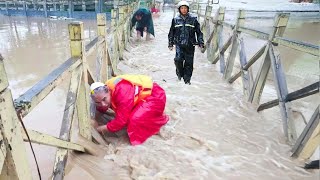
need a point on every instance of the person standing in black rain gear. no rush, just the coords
(185, 34)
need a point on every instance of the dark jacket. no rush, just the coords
(146, 20)
(185, 31)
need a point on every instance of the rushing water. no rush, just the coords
(213, 132)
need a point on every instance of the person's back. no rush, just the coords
(145, 15)
(142, 18)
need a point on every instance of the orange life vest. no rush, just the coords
(142, 82)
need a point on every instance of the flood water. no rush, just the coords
(213, 132)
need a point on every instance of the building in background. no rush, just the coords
(79, 9)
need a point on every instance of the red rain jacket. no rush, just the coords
(143, 120)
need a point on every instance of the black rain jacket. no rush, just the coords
(185, 31)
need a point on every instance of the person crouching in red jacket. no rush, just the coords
(138, 104)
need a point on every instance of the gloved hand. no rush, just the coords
(170, 48)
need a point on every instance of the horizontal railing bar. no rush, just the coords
(46, 139)
(234, 77)
(253, 16)
(249, 64)
(293, 44)
(32, 97)
(226, 45)
(255, 33)
(298, 45)
(206, 3)
(224, 48)
(255, 57)
(228, 25)
(93, 45)
(301, 93)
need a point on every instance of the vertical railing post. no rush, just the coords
(7, 8)
(280, 82)
(101, 23)
(76, 35)
(130, 7)
(220, 46)
(13, 159)
(125, 25)
(280, 22)
(121, 31)
(68, 118)
(54, 6)
(175, 9)
(115, 46)
(235, 45)
(70, 5)
(45, 8)
(34, 5)
(207, 26)
(129, 21)
(97, 6)
(215, 40)
(244, 73)
(198, 10)
(61, 5)
(83, 6)
(113, 18)
(118, 42)
(25, 7)
(103, 70)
